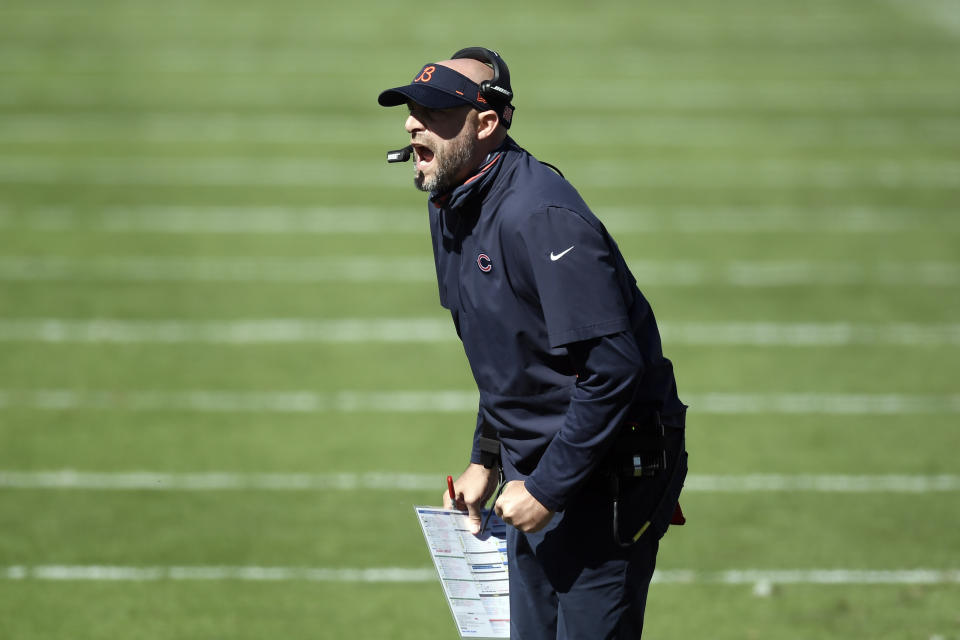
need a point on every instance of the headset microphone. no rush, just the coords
(400, 155)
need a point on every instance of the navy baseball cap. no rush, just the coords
(440, 87)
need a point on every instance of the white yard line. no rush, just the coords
(412, 220)
(440, 329)
(372, 268)
(232, 269)
(809, 334)
(222, 171)
(215, 573)
(443, 401)
(384, 481)
(822, 403)
(615, 129)
(288, 60)
(940, 14)
(757, 577)
(826, 483)
(220, 220)
(280, 330)
(219, 481)
(455, 401)
(702, 96)
(286, 172)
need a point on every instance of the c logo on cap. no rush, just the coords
(484, 262)
(426, 75)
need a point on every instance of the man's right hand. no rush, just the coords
(472, 489)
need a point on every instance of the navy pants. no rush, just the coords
(572, 581)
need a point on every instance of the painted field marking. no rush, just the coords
(218, 481)
(809, 334)
(279, 330)
(98, 573)
(220, 220)
(295, 58)
(455, 401)
(702, 96)
(247, 269)
(382, 220)
(385, 481)
(760, 578)
(253, 269)
(941, 14)
(286, 172)
(443, 401)
(440, 330)
(678, 130)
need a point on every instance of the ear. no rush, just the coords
(487, 123)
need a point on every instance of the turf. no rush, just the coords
(730, 140)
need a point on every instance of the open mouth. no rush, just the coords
(424, 156)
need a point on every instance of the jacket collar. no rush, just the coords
(477, 184)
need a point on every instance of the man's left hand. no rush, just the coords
(518, 508)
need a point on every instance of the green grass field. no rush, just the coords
(225, 377)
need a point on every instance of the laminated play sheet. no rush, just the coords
(472, 570)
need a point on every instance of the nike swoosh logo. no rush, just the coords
(556, 256)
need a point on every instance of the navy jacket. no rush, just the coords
(563, 346)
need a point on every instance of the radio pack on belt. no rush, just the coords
(639, 454)
(640, 449)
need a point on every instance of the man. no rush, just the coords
(578, 406)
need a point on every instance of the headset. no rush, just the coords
(496, 91)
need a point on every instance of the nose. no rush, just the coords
(413, 125)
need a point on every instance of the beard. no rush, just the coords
(450, 158)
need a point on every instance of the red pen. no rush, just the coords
(453, 496)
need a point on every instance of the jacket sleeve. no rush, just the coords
(610, 368)
(475, 453)
(575, 270)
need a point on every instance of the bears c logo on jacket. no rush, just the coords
(484, 262)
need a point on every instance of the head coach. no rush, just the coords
(578, 406)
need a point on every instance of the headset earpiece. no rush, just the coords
(497, 90)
